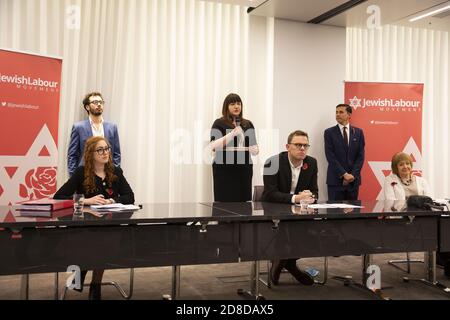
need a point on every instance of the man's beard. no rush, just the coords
(96, 113)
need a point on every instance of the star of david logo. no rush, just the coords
(13, 169)
(355, 102)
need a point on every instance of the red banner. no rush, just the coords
(29, 109)
(390, 115)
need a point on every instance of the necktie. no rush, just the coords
(345, 137)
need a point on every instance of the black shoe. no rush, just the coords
(300, 276)
(443, 260)
(440, 259)
(275, 271)
(95, 291)
(447, 268)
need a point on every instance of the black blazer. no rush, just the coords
(120, 190)
(277, 183)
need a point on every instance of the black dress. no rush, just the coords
(120, 190)
(233, 170)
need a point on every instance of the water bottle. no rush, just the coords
(312, 272)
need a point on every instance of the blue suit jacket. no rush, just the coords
(81, 131)
(341, 160)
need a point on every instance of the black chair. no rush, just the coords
(407, 261)
(108, 283)
(25, 287)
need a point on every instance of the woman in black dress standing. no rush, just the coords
(233, 140)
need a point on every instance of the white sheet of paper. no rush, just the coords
(333, 206)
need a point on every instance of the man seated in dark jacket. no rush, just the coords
(291, 177)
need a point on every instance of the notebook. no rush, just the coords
(45, 205)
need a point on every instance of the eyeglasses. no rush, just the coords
(97, 102)
(301, 145)
(101, 151)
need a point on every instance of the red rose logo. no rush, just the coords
(109, 191)
(305, 166)
(39, 183)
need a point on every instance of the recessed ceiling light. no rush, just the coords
(435, 10)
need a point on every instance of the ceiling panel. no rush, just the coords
(391, 12)
(298, 10)
(436, 22)
(244, 3)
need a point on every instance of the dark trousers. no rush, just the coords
(443, 259)
(97, 276)
(340, 193)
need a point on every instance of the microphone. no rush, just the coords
(241, 137)
(435, 206)
(238, 121)
(423, 202)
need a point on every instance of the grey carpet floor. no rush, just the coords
(221, 282)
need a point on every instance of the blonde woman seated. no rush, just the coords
(401, 183)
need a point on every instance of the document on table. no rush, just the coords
(333, 206)
(115, 207)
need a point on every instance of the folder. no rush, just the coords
(45, 214)
(45, 205)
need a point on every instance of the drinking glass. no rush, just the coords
(78, 204)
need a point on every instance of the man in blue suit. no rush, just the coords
(93, 103)
(344, 149)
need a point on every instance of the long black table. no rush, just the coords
(157, 235)
(444, 233)
(280, 231)
(283, 231)
(203, 233)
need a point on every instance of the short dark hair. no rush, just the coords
(87, 100)
(296, 133)
(347, 107)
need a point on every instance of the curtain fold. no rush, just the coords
(164, 68)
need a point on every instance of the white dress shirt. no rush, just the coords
(341, 127)
(97, 130)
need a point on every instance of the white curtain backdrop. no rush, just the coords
(401, 54)
(163, 67)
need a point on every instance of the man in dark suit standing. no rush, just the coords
(291, 177)
(344, 149)
(93, 103)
